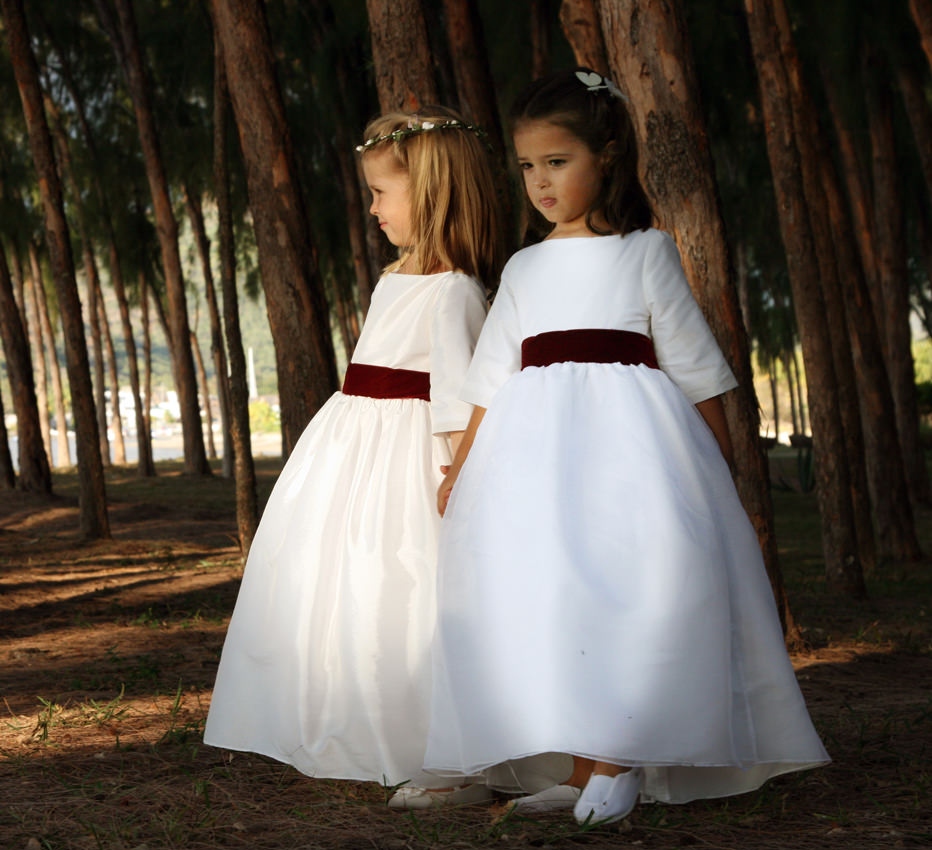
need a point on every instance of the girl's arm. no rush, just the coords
(459, 458)
(713, 411)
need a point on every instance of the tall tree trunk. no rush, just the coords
(146, 358)
(40, 367)
(541, 41)
(34, 473)
(580, 22)
(476, 90)
(921, 11)
(144, 463)
(893, 276)
(116, 418)
(800, 383)
(124, 37)
(919, 112)
(404, 71)
(792, 385)
(63, 449)
(7, 473)
(205, 393)
(92, 492)
(247, 513)
(833, 488)
(813, 163)
(774, 398)
(100, 387)
(298, 313)
(653, 64)
(19, 278)
(856, 181)
(217, 351)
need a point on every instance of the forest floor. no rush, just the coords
(108, 653)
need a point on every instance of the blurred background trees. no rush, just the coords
(213, 209)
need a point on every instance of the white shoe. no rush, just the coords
(415, 797)
(606, 799)
(554, 799)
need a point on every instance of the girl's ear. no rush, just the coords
(609, 153)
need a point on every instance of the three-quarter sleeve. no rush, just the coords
(498, 352)
(455, 325)
(686, 349)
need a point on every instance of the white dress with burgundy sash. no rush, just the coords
(326, 663)
(602, 591)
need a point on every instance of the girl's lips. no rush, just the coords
(547, 202)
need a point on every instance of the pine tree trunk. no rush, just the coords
(205, 394)
(833, 488)
(116, 418)
(92, 491)
(124, 37)
(651, 60)
(247, 513)
(40, 368)
(792, 385)
(921, 11)
(146, 358)
(813, 163)
(7, 473)
(144, 463)
(772, 372)
(93, 318)
(404, 71)
(920, 115)
(34, 473)
(857, 183)
(298, 313)
(63, 448)
(217, 351)
(800, 383)
(893, 278)
(580, 22)
(540, 38)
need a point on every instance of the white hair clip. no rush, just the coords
(596, 82)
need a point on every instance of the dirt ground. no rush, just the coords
(108, 653)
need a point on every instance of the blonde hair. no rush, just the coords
(454, 204)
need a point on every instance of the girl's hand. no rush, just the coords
(446, 487)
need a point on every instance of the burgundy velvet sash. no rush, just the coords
(588, 346)
(382, 382)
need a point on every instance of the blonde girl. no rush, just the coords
(606, 630)
(326, 663)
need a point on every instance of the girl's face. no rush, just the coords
(561, 175)
(391, 195)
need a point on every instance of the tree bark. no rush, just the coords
(217, 351)
(93, 318)
(540, 38)
(62, 446)
(116, 418)
(40, 367)
(800, 383)
(205, 393)
(920, 114)
(92, 491)
(7, 473)
(792, 386)
(144, 464)
(650, 57)
(146, 357)
(247, 513)
(893, 276)
(833, 488)
(34, 473)
(298, 313)
(124, 37)
(580, 22)
(921, 11)
(814, 161)
(404, 71)
(774, 398)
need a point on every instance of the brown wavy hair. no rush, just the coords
(454, 209)
(601, 121)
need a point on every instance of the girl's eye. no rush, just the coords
(556, 163)
(524, 166)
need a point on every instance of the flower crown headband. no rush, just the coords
(596, 82)
(416, 126)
